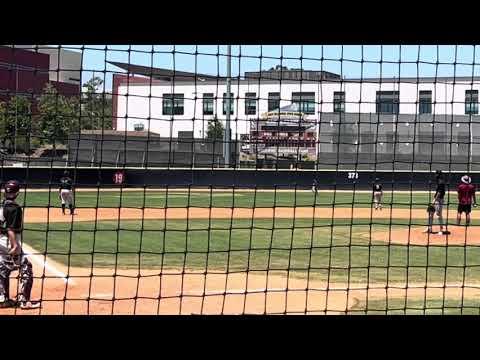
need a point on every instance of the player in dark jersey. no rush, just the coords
(377, 194)
(466, 193)
(438, 201)
(11, 254)
(66, 192)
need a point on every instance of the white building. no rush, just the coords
(164, 102)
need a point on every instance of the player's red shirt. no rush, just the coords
(465, 193)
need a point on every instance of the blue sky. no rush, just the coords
(346, 60)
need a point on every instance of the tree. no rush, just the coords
(16, 125)
(58, 115)
(3, 125)
(96, 106)
(215, 130)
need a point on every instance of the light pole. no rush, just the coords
(471, 147)
(226, 136)
(16, 112)
(317, 140)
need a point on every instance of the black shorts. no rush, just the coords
(467, 209)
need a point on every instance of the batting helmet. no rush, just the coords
(12, 187)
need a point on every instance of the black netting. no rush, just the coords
(244, 179)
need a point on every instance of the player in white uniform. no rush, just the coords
(377, 194)
(315, 186)
(66, 192)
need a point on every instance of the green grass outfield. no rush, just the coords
(414, 306)
(245, 199)
(334, 252)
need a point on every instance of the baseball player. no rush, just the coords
(466, 193)
(315, 186)
(377, 194)
(11, 254)
(66, 192)
(431, 212)
(438, 200)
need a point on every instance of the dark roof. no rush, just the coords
(162, 74)
(292, 74)
(272, 74)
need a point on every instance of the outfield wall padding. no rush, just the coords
(226, 178)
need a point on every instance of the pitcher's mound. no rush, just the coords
(459, 235)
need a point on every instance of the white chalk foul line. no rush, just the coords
(42, 261)
(352, 288)
(228, 292)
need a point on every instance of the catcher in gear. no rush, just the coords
(66, 192)
(11, 254)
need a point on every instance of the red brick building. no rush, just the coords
(26, 72)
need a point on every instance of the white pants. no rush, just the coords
(66, 197)
(377, 199)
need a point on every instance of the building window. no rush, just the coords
(207, 104)
(305, 101)
(250, 104)
(273, 101)
(471, 102)
(387, 102)
(138, 127)
(225, 103)
(339, 101)
(173, 104)
(425, 102)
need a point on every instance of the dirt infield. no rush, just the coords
(108, 291)
(181, 294)
(42, 215)
(460, 235)
(171, 293)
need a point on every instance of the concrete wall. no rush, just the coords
(153, 151)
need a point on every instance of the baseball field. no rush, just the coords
(220, 251)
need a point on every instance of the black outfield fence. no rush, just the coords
(43, 177)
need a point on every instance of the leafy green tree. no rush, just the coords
(16, 125)
(96, 106)
(3, 125)
(58, 115)
(215, 130)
